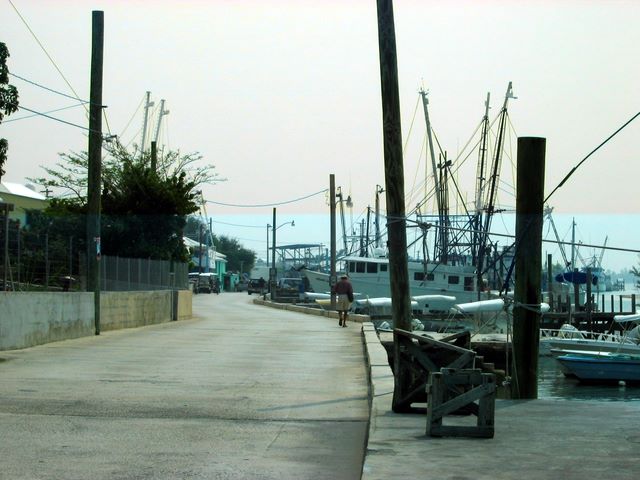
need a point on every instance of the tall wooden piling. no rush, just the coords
(528, 269)
(394, 181)
(94, 179)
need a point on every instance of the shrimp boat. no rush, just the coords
(370, 277)
(457, 253)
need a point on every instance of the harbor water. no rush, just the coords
(552, 384)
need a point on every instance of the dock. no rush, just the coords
(247, 391)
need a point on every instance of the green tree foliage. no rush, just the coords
(144, 215)
(69, 176)
(238, 257)
(8, 101)
(635, 271)
(144, 211)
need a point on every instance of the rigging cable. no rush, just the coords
(591, 153)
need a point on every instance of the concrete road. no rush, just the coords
(239, 392)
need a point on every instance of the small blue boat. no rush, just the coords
(602, 366)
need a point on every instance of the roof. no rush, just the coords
(299, 246)
(21, 190)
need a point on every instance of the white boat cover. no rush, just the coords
(635, 317)
(495, 305)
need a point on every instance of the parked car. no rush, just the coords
(207, 283)
(256, 285)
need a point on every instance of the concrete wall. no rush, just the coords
(28, 319)
(185, 301)
(134, 309)
(34, 318)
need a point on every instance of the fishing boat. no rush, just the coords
(601, 366)
(370, 277)
(569, 338)
(458, 258)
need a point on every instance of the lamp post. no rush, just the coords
(272, 269)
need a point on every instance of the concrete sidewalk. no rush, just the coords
(536, 439)
(240, 392)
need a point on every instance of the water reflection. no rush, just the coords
(552, 384)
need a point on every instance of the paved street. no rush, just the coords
(239, 392)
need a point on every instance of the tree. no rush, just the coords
(8, 101)
(238, 257)
(635, 271)
(69, 176)
(144, 211)
(145, 214)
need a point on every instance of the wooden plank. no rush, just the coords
(431, 341)
(463, 400)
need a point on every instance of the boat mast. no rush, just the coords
(480, 180)
(147, 104)
(434, 168)
(493, 184)
(162, 113)
(379, 190)
(547, 213)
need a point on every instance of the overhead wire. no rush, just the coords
(55, 65)
(275, 204)
(22, 107)
(47, 112)
(48, 88)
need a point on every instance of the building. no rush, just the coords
(206, 259)
(23, 198)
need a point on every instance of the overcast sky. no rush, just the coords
(279, 94)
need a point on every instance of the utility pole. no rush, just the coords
(394, 181)
(94, 180)
(528, 266)
(272, 271)
(332, 258)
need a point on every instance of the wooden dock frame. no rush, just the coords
(440, 402)
(411, 355)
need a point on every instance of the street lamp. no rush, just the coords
(272, 270)
(292, 223)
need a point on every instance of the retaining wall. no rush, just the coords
(34, 318)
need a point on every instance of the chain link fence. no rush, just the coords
(57, 263)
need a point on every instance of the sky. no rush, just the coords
(279, 94)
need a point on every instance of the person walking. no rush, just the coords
(344, 291)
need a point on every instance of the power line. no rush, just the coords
(21, 107)
(44, 49)
(237, 225)
(267, 204)
(48, 112)
(48, 89)
(35, 37)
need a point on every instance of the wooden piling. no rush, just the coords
(394, 185)
(528, 267)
